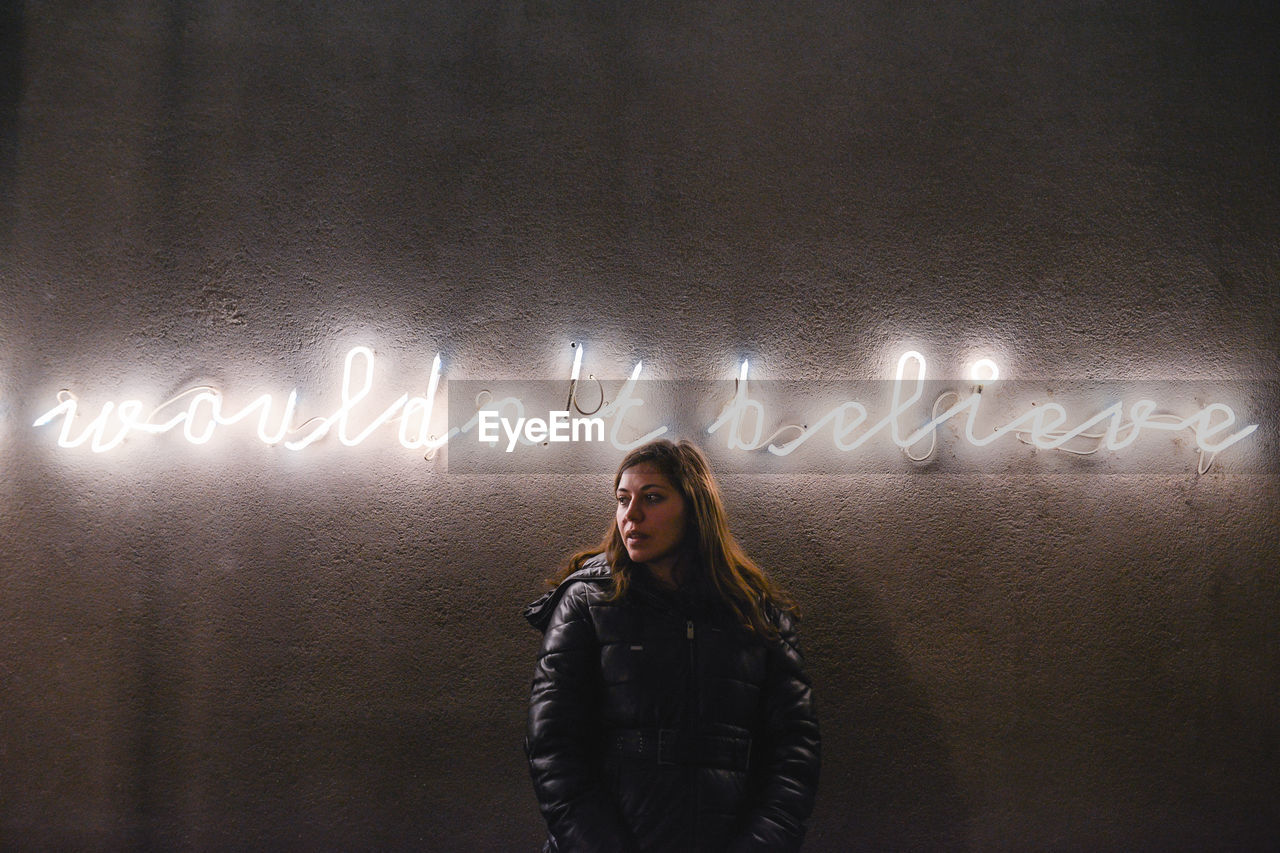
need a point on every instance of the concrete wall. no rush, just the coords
(234, 646)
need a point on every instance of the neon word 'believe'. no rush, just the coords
(1040, 426)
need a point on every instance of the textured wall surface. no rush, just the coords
(234, 646)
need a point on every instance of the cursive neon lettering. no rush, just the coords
(205, 413)
(1040, 426)
(199, 413)
(619, 407)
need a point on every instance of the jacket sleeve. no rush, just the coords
(790, 757)
(563, 718)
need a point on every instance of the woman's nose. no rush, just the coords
(633, 511)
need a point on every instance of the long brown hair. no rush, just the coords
(728, 572)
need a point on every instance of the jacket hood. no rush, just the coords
(595, 570)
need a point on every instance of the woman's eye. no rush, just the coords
(653, 497)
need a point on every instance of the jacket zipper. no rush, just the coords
(695, 716)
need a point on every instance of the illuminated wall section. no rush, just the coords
(973, 307)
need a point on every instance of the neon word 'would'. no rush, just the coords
(199, 412)
(202, 410)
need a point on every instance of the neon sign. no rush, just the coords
(198, 413)
(1039, 426)
(205, 412)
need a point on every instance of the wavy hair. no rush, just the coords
(719, 563)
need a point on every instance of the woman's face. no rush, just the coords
(651, 515)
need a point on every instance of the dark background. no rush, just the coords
(232, 646)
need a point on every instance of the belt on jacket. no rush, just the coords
(671, 746)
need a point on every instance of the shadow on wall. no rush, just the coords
(12, 23)
(887, 782)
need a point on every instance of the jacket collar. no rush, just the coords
(594, 570)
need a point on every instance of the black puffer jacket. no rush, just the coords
(656, 723)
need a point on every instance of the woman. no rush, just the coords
(670, 710)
